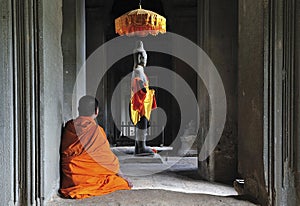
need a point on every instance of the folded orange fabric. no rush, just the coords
(141, 103)
(89, 167)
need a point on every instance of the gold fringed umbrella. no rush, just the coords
(140, 22)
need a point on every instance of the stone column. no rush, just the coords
(73, 45)
(6, 105)
(251, 98)
(266, 100)
(51, 94)
(31, 89)
(218, 38)
(297, 99)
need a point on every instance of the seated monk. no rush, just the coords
(89, 167)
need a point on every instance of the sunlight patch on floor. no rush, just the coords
(179, 178)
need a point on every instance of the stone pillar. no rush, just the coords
(31, 89)
(266, 100)
(6, 105)
(97, 13)
(297, 99)
(73, 44)
(51, 93)
(250, 97)
(218, 38)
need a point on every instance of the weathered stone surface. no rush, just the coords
(250, 97)
(297, 65)
(68, 39)
(221, 46)
(153, 198)
(156, 158)
(51, 99)
(6, 104)
(178, 185)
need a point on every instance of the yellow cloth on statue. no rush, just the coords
(147, 105)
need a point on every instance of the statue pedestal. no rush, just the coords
(156, 158)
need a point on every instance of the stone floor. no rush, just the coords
(152, 198)
(173, 182)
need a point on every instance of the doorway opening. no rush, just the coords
(184, 18)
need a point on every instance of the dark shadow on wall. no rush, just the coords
(60, 161)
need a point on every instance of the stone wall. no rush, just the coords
(73, 48)
(69, 54)
(218, 38)
(251, 97)
(297, 99)
(32, 98)
(6, 111)
(51, 99)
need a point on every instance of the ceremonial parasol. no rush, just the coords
(140, 22)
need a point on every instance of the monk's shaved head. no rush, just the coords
(88, 106)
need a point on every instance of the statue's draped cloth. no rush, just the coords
(89, 167)
(141, 103)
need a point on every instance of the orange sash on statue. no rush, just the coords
(141, 103)
(89, 167)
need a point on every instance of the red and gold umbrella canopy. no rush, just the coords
(140, 22)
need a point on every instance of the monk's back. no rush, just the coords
(88, 165)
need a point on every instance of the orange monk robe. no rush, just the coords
(89, 167)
